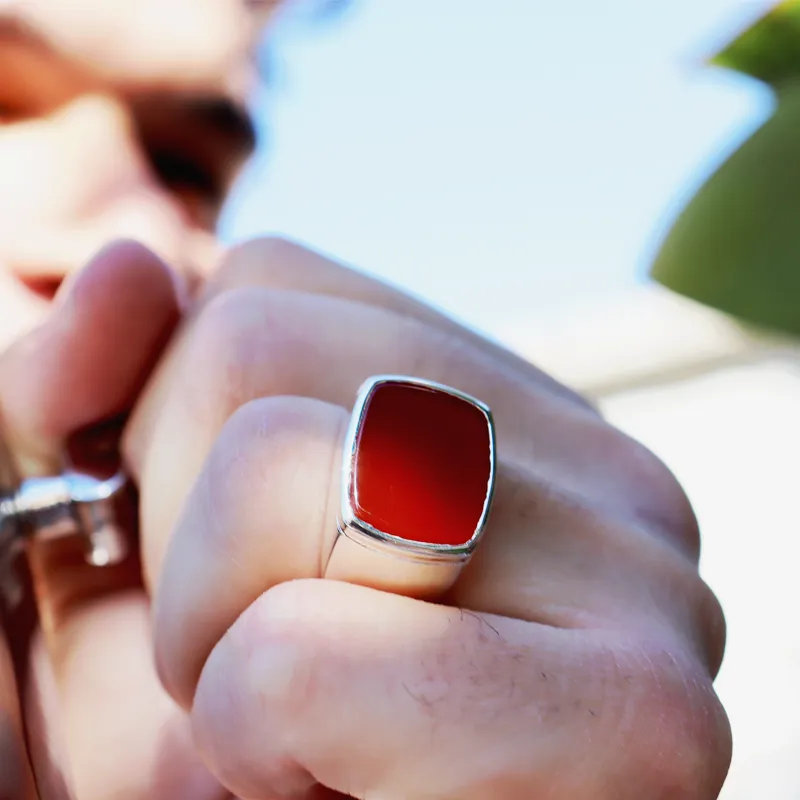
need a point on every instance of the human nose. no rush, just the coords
(84, 179)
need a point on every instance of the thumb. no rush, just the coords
(84, 365)
(89, 358)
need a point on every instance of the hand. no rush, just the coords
(99, 724)
(573, 659)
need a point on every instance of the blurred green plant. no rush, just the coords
(736, 245)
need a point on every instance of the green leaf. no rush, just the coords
(770, 49)
(736, 246)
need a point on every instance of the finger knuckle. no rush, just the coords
(234, 720)
(260, 446)
(267, 259)
(653, 493)
(696, 614)
(232, 338)
(680, 604)
(219, 345)
(680, 746)
(285, 617)
(251, 706)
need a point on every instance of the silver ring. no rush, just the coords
(71, 505)
(418, 476)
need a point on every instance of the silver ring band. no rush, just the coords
(73, 504)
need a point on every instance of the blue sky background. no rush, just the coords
(500, 158)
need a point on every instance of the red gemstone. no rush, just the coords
(422, 464)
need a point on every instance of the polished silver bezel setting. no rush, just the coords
(365, 534)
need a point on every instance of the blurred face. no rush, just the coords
(118, 118)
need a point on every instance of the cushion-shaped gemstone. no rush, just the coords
(422, 464)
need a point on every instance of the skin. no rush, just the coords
(573, 659)
(575, 655)
(110, 127)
